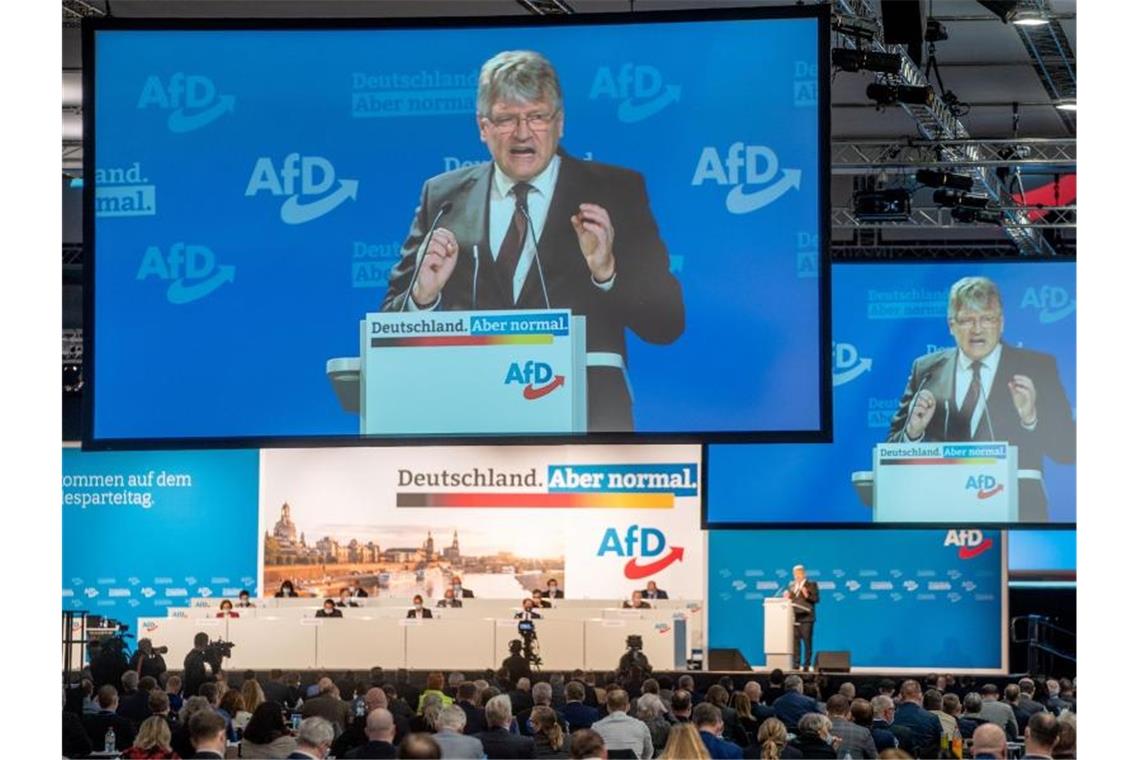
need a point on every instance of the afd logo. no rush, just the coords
(970, 543)
(640, 88)
(192, 100)
(746, 165)
(1051, 303)
(846, 364)
(191, 270)
(308, 177)
(985, 485)
(537, 378)
(150, 626)
(638, 542)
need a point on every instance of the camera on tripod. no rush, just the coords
(528, 647)
(218, 650)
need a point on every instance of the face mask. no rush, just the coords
(328, 609)
(419, 606)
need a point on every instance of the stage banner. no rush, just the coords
(924, 600)
(603, 520)
(144, 530)
(885, 316)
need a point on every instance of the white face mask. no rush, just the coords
(419, 605)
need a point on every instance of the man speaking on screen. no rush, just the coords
(535, 228)
(987, 390)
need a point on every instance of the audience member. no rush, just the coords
(709, 721)
(207, 734)
(450, 736)
(622, 732)
(233, 705)
(434, 688)
(1012, 698)
(862, 715)
(314, 738)
(577, 713)
(776, 687)
(681, 706)
(1025, 701)
(498, 741)
(466, 699)
(1066, 747)
(251, 695)
(76, 742)
(97, 724)
(380, 732)
(586, 744)
(419, 746)
(883, 723)
(266, 735)
(651, 712)
(152, 741)
(1055, 702)
(550, 737)
(733, 732)
(684, 743)
(989, 742)
(772, 742)
(746, 721)
(1041, 734)
(856, 740)
(794, 704)
(925, 726)
(813, 736)
(180, 738)
(159, 705)
(275, 689)
(760, 711)
(136, 706)
(953, 707)
(932, 702)
(328, 705)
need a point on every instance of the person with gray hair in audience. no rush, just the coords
(498, 741)
(989, 742)
(450, 738)
(760, 711)
(794, 704)
(543, 696)
(651, 711)
(622, 731)
(314, 738)
(813, 736)
(883, 726)
(1055, 702)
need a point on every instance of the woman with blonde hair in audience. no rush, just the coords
(684, 744)
(252, 695)
(772, 742)
(152, 741)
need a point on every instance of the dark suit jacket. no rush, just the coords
(382, 750)
(334, 614)
(76, 742)
(761, 712)
(1055, 433)
(476, 719)
(925, 726)
(500, 743)
(580, 715)
(808, 600)
(793, 706)
(559, 594)
(426, 611)
(661, 594)
(96, 725)
(645, 297)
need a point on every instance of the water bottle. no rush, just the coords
(360, 708)
(109, 741)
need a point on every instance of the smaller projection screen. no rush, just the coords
(306, 231)
(911, 447)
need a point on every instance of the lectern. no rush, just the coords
(466, 372)
(779, 641)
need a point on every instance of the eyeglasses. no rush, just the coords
(535, 122)
(988, 321)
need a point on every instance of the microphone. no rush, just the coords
(443, 209)
(537, 258)
(475, 278)
(986, 412)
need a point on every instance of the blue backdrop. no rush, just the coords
(894, 599)
(146, 530)
(233, 272)
(883, 317)
(1049, 551)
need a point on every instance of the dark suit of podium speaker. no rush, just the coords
(600, 252)
(987, 390)
(804, 595)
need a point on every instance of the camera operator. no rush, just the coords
(634, 663)
(197, 668)
(147, 660)
(517, 665)
(108, 661)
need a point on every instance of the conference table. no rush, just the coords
(588, 634)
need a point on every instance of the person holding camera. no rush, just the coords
(197, 668)
(148, 661)
(516, 665)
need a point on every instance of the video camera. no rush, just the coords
(529, 644)
(218, 650)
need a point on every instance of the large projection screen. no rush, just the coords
(256, 188)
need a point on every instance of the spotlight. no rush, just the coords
(932, 178)
(889, 94)
(1066, 105)
(866, 60)
(891, 205)
(1003, 9)
(935, 31)
(974, 215)
(954, 198)
(1029, 18)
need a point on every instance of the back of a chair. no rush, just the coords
(621, 754)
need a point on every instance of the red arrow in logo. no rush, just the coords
(530, 393)
(969, 552)
(982, 494)
(634, 571)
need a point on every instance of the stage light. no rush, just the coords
(892, 205)
(974, 215)
(955, 198)
(889, 94)
(935, 31)
(1029, 18)
(866, 60)
(1003, 9)
(1066, 105)
(932, 178)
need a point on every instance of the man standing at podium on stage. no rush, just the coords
(536, 228)
(804, 595)
(987, 390)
